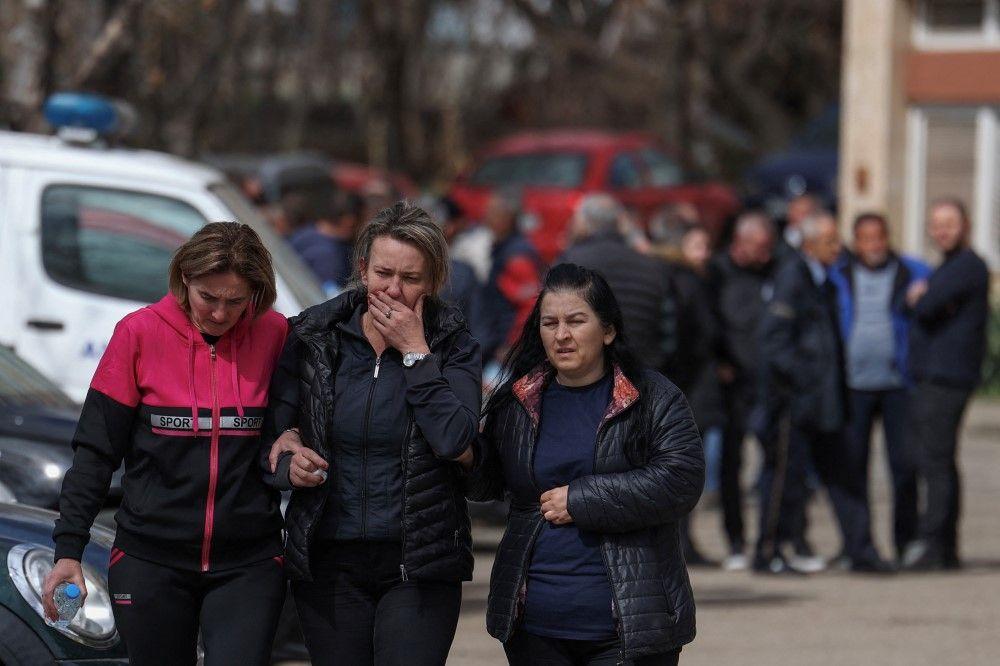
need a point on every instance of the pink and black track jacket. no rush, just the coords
(185, 416)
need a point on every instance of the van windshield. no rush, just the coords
(23, 386)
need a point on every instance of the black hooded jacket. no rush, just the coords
(441, 395)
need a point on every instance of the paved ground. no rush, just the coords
(831, 619)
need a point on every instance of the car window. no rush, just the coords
(624, 174)
(113, 242)
(564, 170)
(22, 386)
(662, 170)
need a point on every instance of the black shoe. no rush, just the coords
(920, 555)
(874, 565)
(773, 566)
(952, 562)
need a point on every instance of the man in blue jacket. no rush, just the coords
(875, 325)
(948, 343)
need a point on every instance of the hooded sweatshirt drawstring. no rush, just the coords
(235, 373)
(191, 387)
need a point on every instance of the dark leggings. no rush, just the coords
(358, 610)
(159, 611)
(527, 649)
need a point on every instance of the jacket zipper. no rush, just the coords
(364, 450)
(213, 469)
(402, 512)
(604, 558)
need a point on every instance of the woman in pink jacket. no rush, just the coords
(179, 396)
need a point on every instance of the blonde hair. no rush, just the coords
(220, 247)
(407, 223)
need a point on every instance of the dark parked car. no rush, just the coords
(809, 164)
(37, 421)
(25, 638)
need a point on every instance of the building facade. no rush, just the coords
(921, 115)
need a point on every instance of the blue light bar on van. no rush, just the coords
(80, 110)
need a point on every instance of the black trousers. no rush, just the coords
(738, 404)
(159, 610)
(359, 611)
(785, 493)
(936, 418)
(892, 406)
(527, 649)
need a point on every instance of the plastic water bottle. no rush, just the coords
(67, 599)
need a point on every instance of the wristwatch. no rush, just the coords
(410, 358)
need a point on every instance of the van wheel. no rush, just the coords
(20, 646)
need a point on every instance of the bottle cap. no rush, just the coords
(72, 591)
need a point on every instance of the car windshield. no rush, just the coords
(22, 386)
(563, 170)
(663, 171)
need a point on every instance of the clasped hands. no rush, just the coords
(555, 507)
(307, 469)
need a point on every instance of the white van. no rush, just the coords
(86, 236)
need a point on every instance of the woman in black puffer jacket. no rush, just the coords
(600, 459)
(378, 389)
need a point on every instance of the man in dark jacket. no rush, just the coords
(741, 280)
(640, 283)
(948, 343)
(327, 243)
(802, 360)
(664, 308)
(871, 288)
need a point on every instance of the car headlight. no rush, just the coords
(94, 623)
(6, 494)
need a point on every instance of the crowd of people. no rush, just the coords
(776, 331)
(604, 375)
(806, 366)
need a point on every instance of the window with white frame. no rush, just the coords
(956, 24)
(955, 151)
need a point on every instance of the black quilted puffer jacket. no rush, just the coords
(635, 507)
(435, 533)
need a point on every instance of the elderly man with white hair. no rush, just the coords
(803, 370)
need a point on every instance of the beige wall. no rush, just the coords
(873, 110)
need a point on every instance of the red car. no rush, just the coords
(557, 168)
